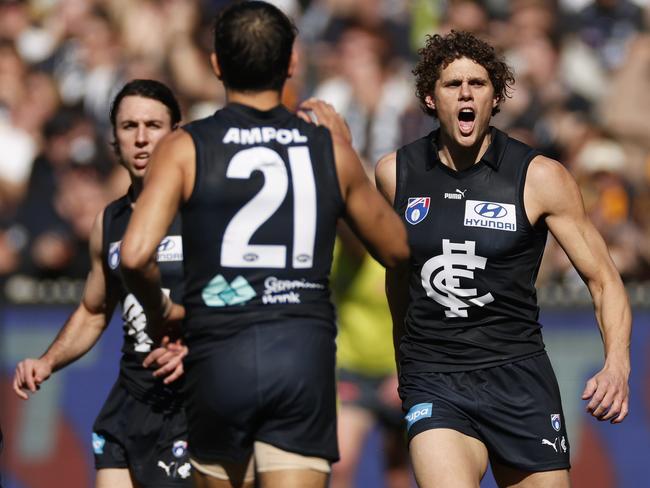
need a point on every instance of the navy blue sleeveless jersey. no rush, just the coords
(137, 343)
(259, 227)
(474, 258)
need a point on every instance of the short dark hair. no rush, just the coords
(439, 52)
(253, 43)
(147, 89)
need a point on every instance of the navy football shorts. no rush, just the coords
(514, 409)
(272, 382)
(148, 440)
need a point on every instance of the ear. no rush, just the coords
(293, 63)
(428, 100)
(495, 102)
(214, 61)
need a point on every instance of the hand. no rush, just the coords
(30, 373)
(169, 360)
(608, 394)
(168, 323)
(326, 116)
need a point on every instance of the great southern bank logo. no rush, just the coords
(418, 412)
(490, 215)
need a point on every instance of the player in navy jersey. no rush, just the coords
(140, 436)
(475, 381)
(260, 191)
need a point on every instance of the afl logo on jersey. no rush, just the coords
(114, 254)
(417, 209)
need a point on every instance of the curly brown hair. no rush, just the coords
(439, 52)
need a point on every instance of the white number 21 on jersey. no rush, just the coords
(236, 250)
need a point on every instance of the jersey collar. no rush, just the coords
(492, 156)
(279, 111)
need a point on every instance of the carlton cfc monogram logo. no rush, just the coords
(441, 278)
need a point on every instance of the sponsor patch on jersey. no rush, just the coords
(98, 443)
(556, 422)
(170, 249)
(219, 293)
(418, 412)
(417, 209)
(114, 254)
(490, 215)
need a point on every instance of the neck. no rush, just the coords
(459, 157)
(262, 100)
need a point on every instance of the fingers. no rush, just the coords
(28, 377)
(178, 372)
(19, 383)
(608, 398)
(154, 357)
(589, 390)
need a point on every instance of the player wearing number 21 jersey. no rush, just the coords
(260, 191)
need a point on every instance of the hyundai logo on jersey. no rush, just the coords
(490, 210)
(555, 421)
(417, 209)
(418, 412)
(490, 215)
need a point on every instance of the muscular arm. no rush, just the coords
(168, 182)
(369, 216)
(552, 194)
(81, 331)
(397, 279)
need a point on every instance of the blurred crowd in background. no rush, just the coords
(582, 96)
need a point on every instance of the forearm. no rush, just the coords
(76, 338)
(614, 319)
(145, 283)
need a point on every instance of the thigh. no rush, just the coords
(520, 416)
(293, 479)
(278, 468)
(445, 457)
(515, 478)
(223, 475)
(114, 478)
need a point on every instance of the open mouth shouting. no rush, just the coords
(466, 118)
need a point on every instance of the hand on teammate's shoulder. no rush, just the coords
(322, 113)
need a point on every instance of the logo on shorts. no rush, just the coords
(179, 449)
(173, 470)
(563, 444)
(219, 293)
(418, 412)
(556, 422)
(546, 442)
(417, 209)
(98, 443)
(114, 254)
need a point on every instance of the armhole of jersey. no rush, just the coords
(532, 153)
(400, 178)
(332, 168)
(197, 168)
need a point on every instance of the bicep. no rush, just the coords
(97, 299)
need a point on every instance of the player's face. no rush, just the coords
(464, 98)
(139, 124)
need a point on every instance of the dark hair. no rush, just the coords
(253, 43)
(439, 52)
(147, 89)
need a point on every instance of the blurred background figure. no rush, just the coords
(367, 379)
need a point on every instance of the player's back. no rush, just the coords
(259, 227)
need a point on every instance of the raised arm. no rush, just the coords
(169, 181)
(80, 332)
(551, 194)
(369, 216)
(397, 279)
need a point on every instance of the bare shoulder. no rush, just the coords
(386, 175)
(177, 141)
(97, 234)
(550, 187)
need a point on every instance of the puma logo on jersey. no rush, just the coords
(441, 278)
(490, 215)
(459, 195)
(259, 135)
